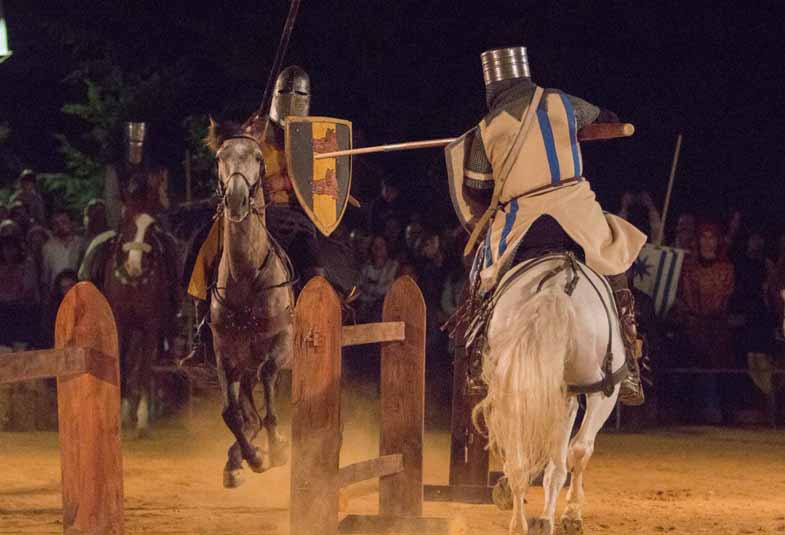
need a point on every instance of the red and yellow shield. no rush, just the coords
(322, 186)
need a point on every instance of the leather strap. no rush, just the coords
(509, 162)
(617, 377)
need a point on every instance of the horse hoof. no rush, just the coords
(502, 495)
(257, 462)
(572, 526)
(232, 479)
(540, 526)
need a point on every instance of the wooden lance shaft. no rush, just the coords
(674, 163)
(591, 132)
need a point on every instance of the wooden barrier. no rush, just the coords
(316, 413)
(85, 362)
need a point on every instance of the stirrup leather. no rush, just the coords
(631, 390)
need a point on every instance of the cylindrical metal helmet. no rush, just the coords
(134, 141)
(292, 94)
(502, 64)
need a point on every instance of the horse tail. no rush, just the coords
(524, 370)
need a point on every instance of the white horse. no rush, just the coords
(553, 324)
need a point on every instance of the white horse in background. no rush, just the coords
(553, 324)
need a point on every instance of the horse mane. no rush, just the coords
(218, 132)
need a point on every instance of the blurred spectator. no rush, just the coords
(639, 209)
(702, 307)
(377, 276)
(37, 236)
(60, 286)
(412, 236)
(361, 245)
(94, 219)
(387, 205)
(748, 303)
(19, 297)
(62, 250)
(20, 215)
(432, 269)
(393, 235)
(95, 223)
(27, 193)
(685, 235)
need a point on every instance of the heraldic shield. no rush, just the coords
(455, 154)
(322, 186)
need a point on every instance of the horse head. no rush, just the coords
(240, 167)
(137, 241)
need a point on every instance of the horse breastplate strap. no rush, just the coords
(137, 246)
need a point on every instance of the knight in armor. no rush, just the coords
(285, 219)
(132, 185)
(532, 190)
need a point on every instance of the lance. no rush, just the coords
(283, 44)
(592, 132)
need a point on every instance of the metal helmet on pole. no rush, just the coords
(5, 52)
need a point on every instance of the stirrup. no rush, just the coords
(631, 389)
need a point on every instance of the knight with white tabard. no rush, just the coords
(518, 177)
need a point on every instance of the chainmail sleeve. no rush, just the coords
(478, 172)
(585, 112)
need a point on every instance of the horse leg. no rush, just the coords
(253, 422)
(519, 510)
(134, 355)
(147, 355)
(125, 404)
(555, 474)
(598, 408)
(279, 454)
(229, 378)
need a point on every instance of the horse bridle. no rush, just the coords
(119, 270)
(252, 188)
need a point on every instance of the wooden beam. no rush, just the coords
(62, 362)
(369, 333)
(370, 469)
(476, 494)
(393, 524)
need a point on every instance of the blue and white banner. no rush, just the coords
(656, 273)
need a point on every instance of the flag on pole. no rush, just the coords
(656, 273)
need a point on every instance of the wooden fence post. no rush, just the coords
(88, 406)
(316, 411)
(403, 401)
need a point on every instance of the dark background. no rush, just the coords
(404, 70)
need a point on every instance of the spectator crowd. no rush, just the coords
(725, 316)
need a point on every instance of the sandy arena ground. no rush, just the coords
(685, 480)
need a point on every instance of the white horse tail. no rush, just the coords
(524, 371)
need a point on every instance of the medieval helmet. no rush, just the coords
(502, 68)
(134, 141)
(504, 64)
(292, 94)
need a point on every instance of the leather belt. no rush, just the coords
(550, 187)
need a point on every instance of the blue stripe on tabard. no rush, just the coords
(488, 252)
(658, 280)
(669, 280)
(550, 147)
(508, 221)
(573, 136)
